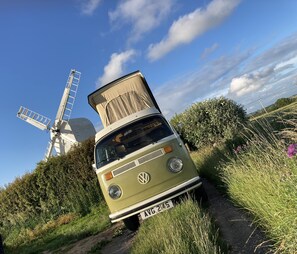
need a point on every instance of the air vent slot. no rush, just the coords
(124, 168)
(150, 156)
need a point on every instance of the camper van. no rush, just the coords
(141, 163)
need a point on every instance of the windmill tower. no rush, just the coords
(64, 132)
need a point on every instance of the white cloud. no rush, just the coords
(242, 76)
(114, 69)
(206, 52)
(210, 81)
(187, 28)
(143, 15)
(89, 6)
(280, 52)
(286, 64)
(244, 85)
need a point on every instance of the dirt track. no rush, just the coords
(236, 228)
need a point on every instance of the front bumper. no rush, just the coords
(158, 199)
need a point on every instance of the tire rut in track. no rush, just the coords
(235, 225)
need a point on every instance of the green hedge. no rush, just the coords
(58, 186)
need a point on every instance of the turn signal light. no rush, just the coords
(108, 176)
(168, 149)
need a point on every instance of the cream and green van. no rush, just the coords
(141, 163)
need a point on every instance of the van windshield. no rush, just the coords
(131, 138)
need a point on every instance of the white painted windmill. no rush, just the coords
(65, 131)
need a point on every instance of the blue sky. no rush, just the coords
(188, 51)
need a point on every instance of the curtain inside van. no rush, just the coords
(121, 99)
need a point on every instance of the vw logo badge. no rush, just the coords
(143, 178)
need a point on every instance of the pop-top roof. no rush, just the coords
(122, 97)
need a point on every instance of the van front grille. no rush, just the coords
(150, 156)
(137, 162)
(124, 168)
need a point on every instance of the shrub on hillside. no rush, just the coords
(210, 122)
(283, 102)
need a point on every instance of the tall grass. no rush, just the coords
(263, 180)
(57, 233)
(183, 229)
(208, 161)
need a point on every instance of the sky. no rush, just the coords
(188, 51)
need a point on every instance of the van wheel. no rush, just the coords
(200, 195)
(132, 223)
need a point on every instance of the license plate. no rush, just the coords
(156, 209)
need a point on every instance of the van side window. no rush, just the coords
(130, 139)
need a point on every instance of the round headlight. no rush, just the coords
(114, 191)
(175, 165)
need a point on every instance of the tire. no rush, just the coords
(200, 195)
(132, 223)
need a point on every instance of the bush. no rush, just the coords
(63, 184)
(210, 122)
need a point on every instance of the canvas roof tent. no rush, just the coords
(122, 97)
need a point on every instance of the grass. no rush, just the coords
(261, 178)
(278, 112)
(183, 229)
(208, 161)
(278, 119)
(56, 234)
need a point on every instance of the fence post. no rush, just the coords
(1, 246)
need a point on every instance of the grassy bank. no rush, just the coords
(57, 233)
(260, 178)
(208, 161)
(183, 229)
(263, 180)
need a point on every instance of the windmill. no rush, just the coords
(64, 132)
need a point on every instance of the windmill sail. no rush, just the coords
(34, 118)
(68, 98)
(58, 143)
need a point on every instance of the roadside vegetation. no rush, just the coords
(259, 175)
(280, 105)
(58, 233)
(253, 161)
(184, 229)
(60, 190)
(210, 122)
(257, 168)
(262, 179)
